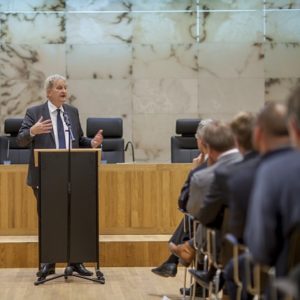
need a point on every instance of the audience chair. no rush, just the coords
(257, 277)
(237, 249)
(9, 149)
(184, 145)
(113, 142)
(189, 227)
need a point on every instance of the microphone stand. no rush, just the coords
(69, 269)
(132, 149)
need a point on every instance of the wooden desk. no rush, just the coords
(134, 199)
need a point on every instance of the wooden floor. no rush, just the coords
(121, 284)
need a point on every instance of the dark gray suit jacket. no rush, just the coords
(202, 180)
(47, 141)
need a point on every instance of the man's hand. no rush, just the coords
(97, 140)
(41, 127)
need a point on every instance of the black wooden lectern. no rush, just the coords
(68, 221)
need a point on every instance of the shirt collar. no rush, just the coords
(231, 151)
(53, 108)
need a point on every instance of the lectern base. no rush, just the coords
(69, 272)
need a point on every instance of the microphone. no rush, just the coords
(66, 118)
(132, 149)
(68, 123)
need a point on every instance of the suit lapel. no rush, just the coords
(46, 115)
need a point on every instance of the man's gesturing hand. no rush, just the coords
(41, 127)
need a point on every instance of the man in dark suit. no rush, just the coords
(274, 210)
(44, 126)
(215, 201)
(221, 149)
(271, 139)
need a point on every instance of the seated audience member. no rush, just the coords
(216, 200)
(222, 151)
(274, 209)
(169, 267)
(270, 138)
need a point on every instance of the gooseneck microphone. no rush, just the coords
(68, 123)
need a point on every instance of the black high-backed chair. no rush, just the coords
(113, 142)
(184, 146)
(9, 149)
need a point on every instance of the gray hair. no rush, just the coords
(201, 126)
(49, 82)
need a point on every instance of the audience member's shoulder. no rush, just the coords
(204, 172)
(282, 163)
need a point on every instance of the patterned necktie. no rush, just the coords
(60, 131)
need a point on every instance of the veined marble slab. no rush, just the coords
(240, 26)
(100, 28)
(279, 89)
(105, 61)
(32, 5)
(231, 60)
(229, 96)
(130, 5)
(33, 28)
(282, 60)
(282, 4)
(169, 96)
(152, 61)
(283, 26)
(230, 4)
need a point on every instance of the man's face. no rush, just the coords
(58, 93)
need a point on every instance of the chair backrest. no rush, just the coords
(184, 146)
(294, 247)
(9, 149)
(113, 142)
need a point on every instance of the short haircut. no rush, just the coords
(242, 126)
(201, 125)
(293, 105)
(49, 82)
(218, 136)
(272, 119)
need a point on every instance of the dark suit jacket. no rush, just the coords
(274, 210)
(240, 184)
(45, 141)
(214, 200)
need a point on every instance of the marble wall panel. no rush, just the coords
(169, 96)
(282, 4)
(152, 135)
(218, 96)
(282, 60)
(157, 5)
(282, 26)
(164, 28)
(32, 5)
(230, 4)
(231, 60)
(165, 61)
(131, 5)
(33, 28)
(99, 61)
(278, 89)
(102, 98)
(230, 26)
(24, 69)
(99, 28)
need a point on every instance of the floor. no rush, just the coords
(121, 283)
